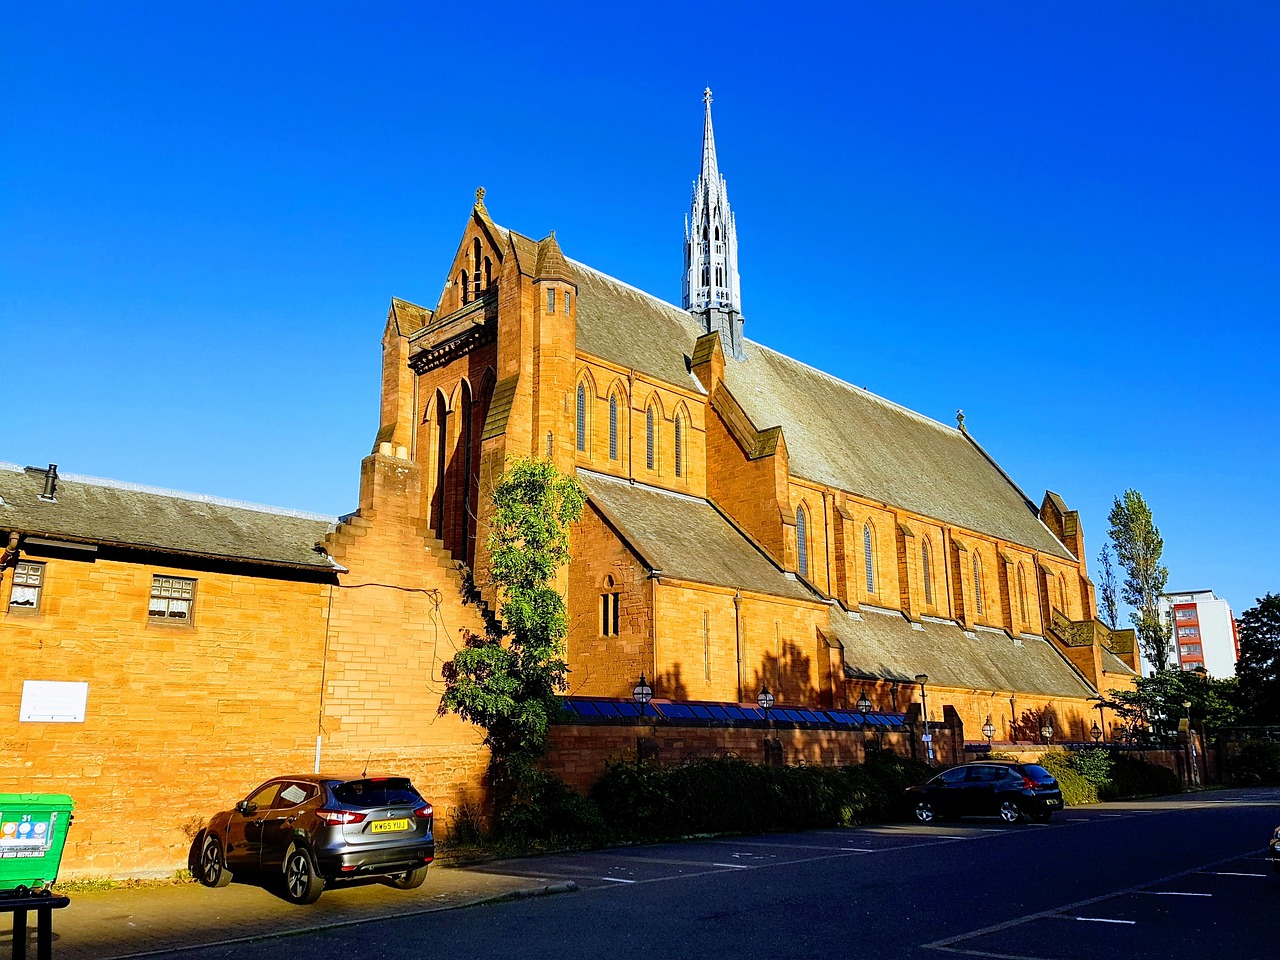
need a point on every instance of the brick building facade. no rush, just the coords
(751, 522)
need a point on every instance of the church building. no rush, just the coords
(756, 530)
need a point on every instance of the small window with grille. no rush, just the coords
(28, 584)
(172, 599)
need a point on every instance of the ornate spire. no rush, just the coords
(711, 287)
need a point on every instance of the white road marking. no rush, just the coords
(857, 850)
(1172, 893)
(617, 880)
(733, 866)
(1106, 920)
(1228, 873)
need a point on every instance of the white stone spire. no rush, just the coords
(711, 287)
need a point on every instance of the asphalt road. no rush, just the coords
(1179, 878)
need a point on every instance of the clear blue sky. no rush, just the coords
(1061, 217)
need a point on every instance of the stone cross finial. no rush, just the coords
(706, 95)
(480, 195)
(960, 419)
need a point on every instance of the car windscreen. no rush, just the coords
(377, 792)
(1037, 773)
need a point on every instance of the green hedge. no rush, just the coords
(1257, 764)
(1131, 777)
(642, 801)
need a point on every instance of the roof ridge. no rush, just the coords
(179, 494)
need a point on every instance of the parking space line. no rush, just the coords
(1230, 873)
(1171, 893)
(734, 866)
(617, 880)
(1106, 920)
(857, 850)
(953, 944)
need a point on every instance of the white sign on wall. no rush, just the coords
(53, 701)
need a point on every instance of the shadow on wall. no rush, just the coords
(1028, 726)
(789, 678)
(670, 685)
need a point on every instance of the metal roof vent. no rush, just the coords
(50, 481)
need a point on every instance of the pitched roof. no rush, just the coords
(883, 644)
(92, 510)
(836, 433)
(688, 539)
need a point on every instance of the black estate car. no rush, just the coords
(308, 830)
(1010, 791)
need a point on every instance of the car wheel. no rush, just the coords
(302, 884)
(213, 870)
(409, 880)
(924, 811)
(1010, 812)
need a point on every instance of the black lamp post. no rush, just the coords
(1095, 731)
(863, 705)
(922, 679)
(642, 693)
(765, 700)
(989, 731)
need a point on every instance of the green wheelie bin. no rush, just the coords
(33, 829)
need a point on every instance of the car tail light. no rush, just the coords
(335, 817)
(1028, 783)
(424, 812)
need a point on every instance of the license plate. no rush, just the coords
(1051, 803)
(388, 826)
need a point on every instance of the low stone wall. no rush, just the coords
(579, 752)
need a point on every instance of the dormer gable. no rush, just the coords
(477, 263)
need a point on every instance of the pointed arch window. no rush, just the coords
(613, 426)
(1062, 593)
(1022, 594)
(464, 286)
(802, 542)
(475, 271)
(977, 583)
(926, 561)
(650, 438)
(582, 417)
(679, 437)
(868, 556)
(488, 273)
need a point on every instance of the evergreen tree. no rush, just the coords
(506, 682)
(1258, 670)
(1107, 588)
(1138, 548)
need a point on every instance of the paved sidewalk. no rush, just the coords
(135, 922)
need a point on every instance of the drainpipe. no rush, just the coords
(10, 553)
(737, 637)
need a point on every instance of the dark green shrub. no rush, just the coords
(1257, 764)
(543, 809)
(1131, 777)
(1076, 789)
(1094, 764)
(726, 795)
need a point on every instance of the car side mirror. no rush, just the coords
(247, 808)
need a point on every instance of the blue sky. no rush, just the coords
(1060, 217)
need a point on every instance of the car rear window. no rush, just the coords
(376, 792)
(1037, 773)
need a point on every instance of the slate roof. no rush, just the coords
(687, 538)
(92, 510)
(836, 434)
(885, 645)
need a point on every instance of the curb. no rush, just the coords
(550, 890)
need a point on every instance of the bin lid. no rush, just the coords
(58, 800)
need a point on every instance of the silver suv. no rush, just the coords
(308, 830)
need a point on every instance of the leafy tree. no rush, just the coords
(1107, 587)
(506, 681)
(1258, 669)
(1151, 712)
(1138, 548)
